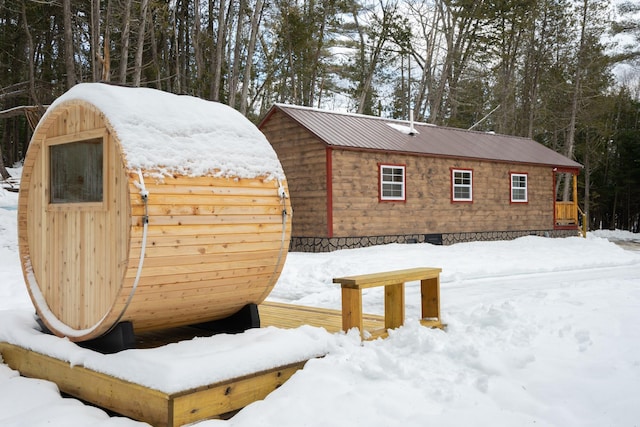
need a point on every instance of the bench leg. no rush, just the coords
(394, 306)
(430, 298)
(351, 309)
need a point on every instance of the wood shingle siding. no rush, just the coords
(307, 157)
(428, 207)
(332, 161)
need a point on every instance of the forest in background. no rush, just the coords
(536, 68)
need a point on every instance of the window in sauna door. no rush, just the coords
(76, 172)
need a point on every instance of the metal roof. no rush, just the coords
(356, 131)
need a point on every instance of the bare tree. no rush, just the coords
(459, 24)
(95, 40)
(218, 52)
(237, 49)
(68, 44)
(575, 96)
(255, 20)
(105, 58)
(175, 50)
(371, 48)
(137, 67)
(512, 22)
(124, 42)
(425, 51)
(31, 59)
(198, 53)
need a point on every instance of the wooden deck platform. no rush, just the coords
(280, 315)
(294, 316)
(175, 409)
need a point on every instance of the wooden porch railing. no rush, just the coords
(566, 213)
(585, 222)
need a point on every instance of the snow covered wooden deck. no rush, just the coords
(160, 408)
(141, 403)
(294, 316)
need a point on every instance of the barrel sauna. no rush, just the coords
(143, 206)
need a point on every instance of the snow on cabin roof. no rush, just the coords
(347, 130)
(163, 133)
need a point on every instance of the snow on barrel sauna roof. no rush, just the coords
(164, 134)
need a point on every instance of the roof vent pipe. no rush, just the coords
(412, 130)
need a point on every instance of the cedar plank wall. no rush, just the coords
(428, 207)
(303, 158)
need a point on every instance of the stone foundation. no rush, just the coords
(323, 244)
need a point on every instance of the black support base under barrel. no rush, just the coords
(120, 337)
(247, 318)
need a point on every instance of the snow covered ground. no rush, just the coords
(540, 332)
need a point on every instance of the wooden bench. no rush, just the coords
(393, 282)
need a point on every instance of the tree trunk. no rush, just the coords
(436, 96)
(587, 185)
(154, 51)
(369, 64)
(106, 58)
(537, 47)
(137, 67)
(95, 40)
(235, 68)
(174, 62)
(68, 44)
(31, 59)
(184, 47)
(613, 222)
(197, 49)
(429, 33)
(313, 75)
(246, 78)
(124, 42)
(512, 30)
(218, 53)
(4, 173)
(570, 147)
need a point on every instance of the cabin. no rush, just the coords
(357, 181)
(150, 209)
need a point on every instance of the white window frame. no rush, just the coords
(387, 174)
(525, 188)
(455, 185)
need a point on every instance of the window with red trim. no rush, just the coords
(519, 189)
(392, 182)
(461, 185)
